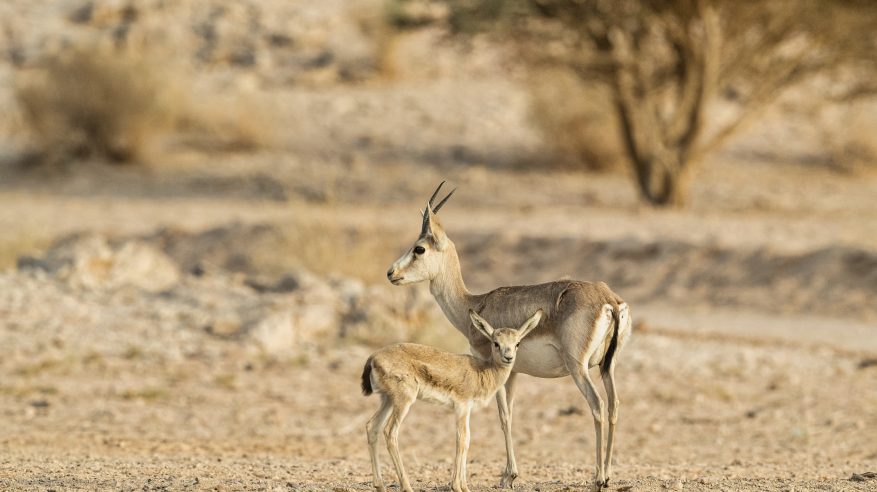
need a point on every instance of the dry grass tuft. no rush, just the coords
(149, 393)
(111, 103)
(20, 391)
(95, 101)
(576, 120)
(39, 367)
(225, 381)
(133, 352)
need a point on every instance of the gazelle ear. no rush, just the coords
(530, 324)
(432, 227)
(481, 324)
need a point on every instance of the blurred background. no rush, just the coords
(199, 201)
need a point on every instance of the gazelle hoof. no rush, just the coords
(508, 480)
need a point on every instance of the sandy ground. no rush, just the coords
(699, 413)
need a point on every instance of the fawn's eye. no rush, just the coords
(419, 250)
(496, 344)
(518, 345)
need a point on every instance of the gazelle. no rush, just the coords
(585, 325)
(406, 372)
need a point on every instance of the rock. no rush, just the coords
(350, 291)
(308, 322)
(39, 404)
(286, 283)
(275, 334)
(92, 261)
(863, 477)
(225, 326)
(570, 410)
(82, 13)
(316, 321)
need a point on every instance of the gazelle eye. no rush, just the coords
(419, 250)
(496, 344)
(518, 345)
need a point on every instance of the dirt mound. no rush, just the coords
(200, 286)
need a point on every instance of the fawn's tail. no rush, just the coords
(367, 378)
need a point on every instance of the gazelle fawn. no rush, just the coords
(406, 372)
(585, 325)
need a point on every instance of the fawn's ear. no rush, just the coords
(481, 324)
(530, 324)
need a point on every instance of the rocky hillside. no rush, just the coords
(92, 295)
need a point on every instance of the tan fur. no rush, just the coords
(575, 334)
(460, 377)
(406, 372)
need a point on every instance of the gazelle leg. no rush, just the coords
(505, 402)
(458, 477)
(391, 432)
(609, 384)
(373, 430)
(583, 380)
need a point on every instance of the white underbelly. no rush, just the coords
(540, 357)
(432, 395)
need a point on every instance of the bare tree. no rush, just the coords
(669, 63)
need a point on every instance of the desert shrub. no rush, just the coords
(669, 65)
(116, 103)
(94, 101)
(576, 120)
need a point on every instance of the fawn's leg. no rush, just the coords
(373, 430)
(505, 402)
(391, 432)
(458, 478)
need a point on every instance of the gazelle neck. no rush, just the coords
(493, 375)
(450, 291)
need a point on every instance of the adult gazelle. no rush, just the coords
(584, 325)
